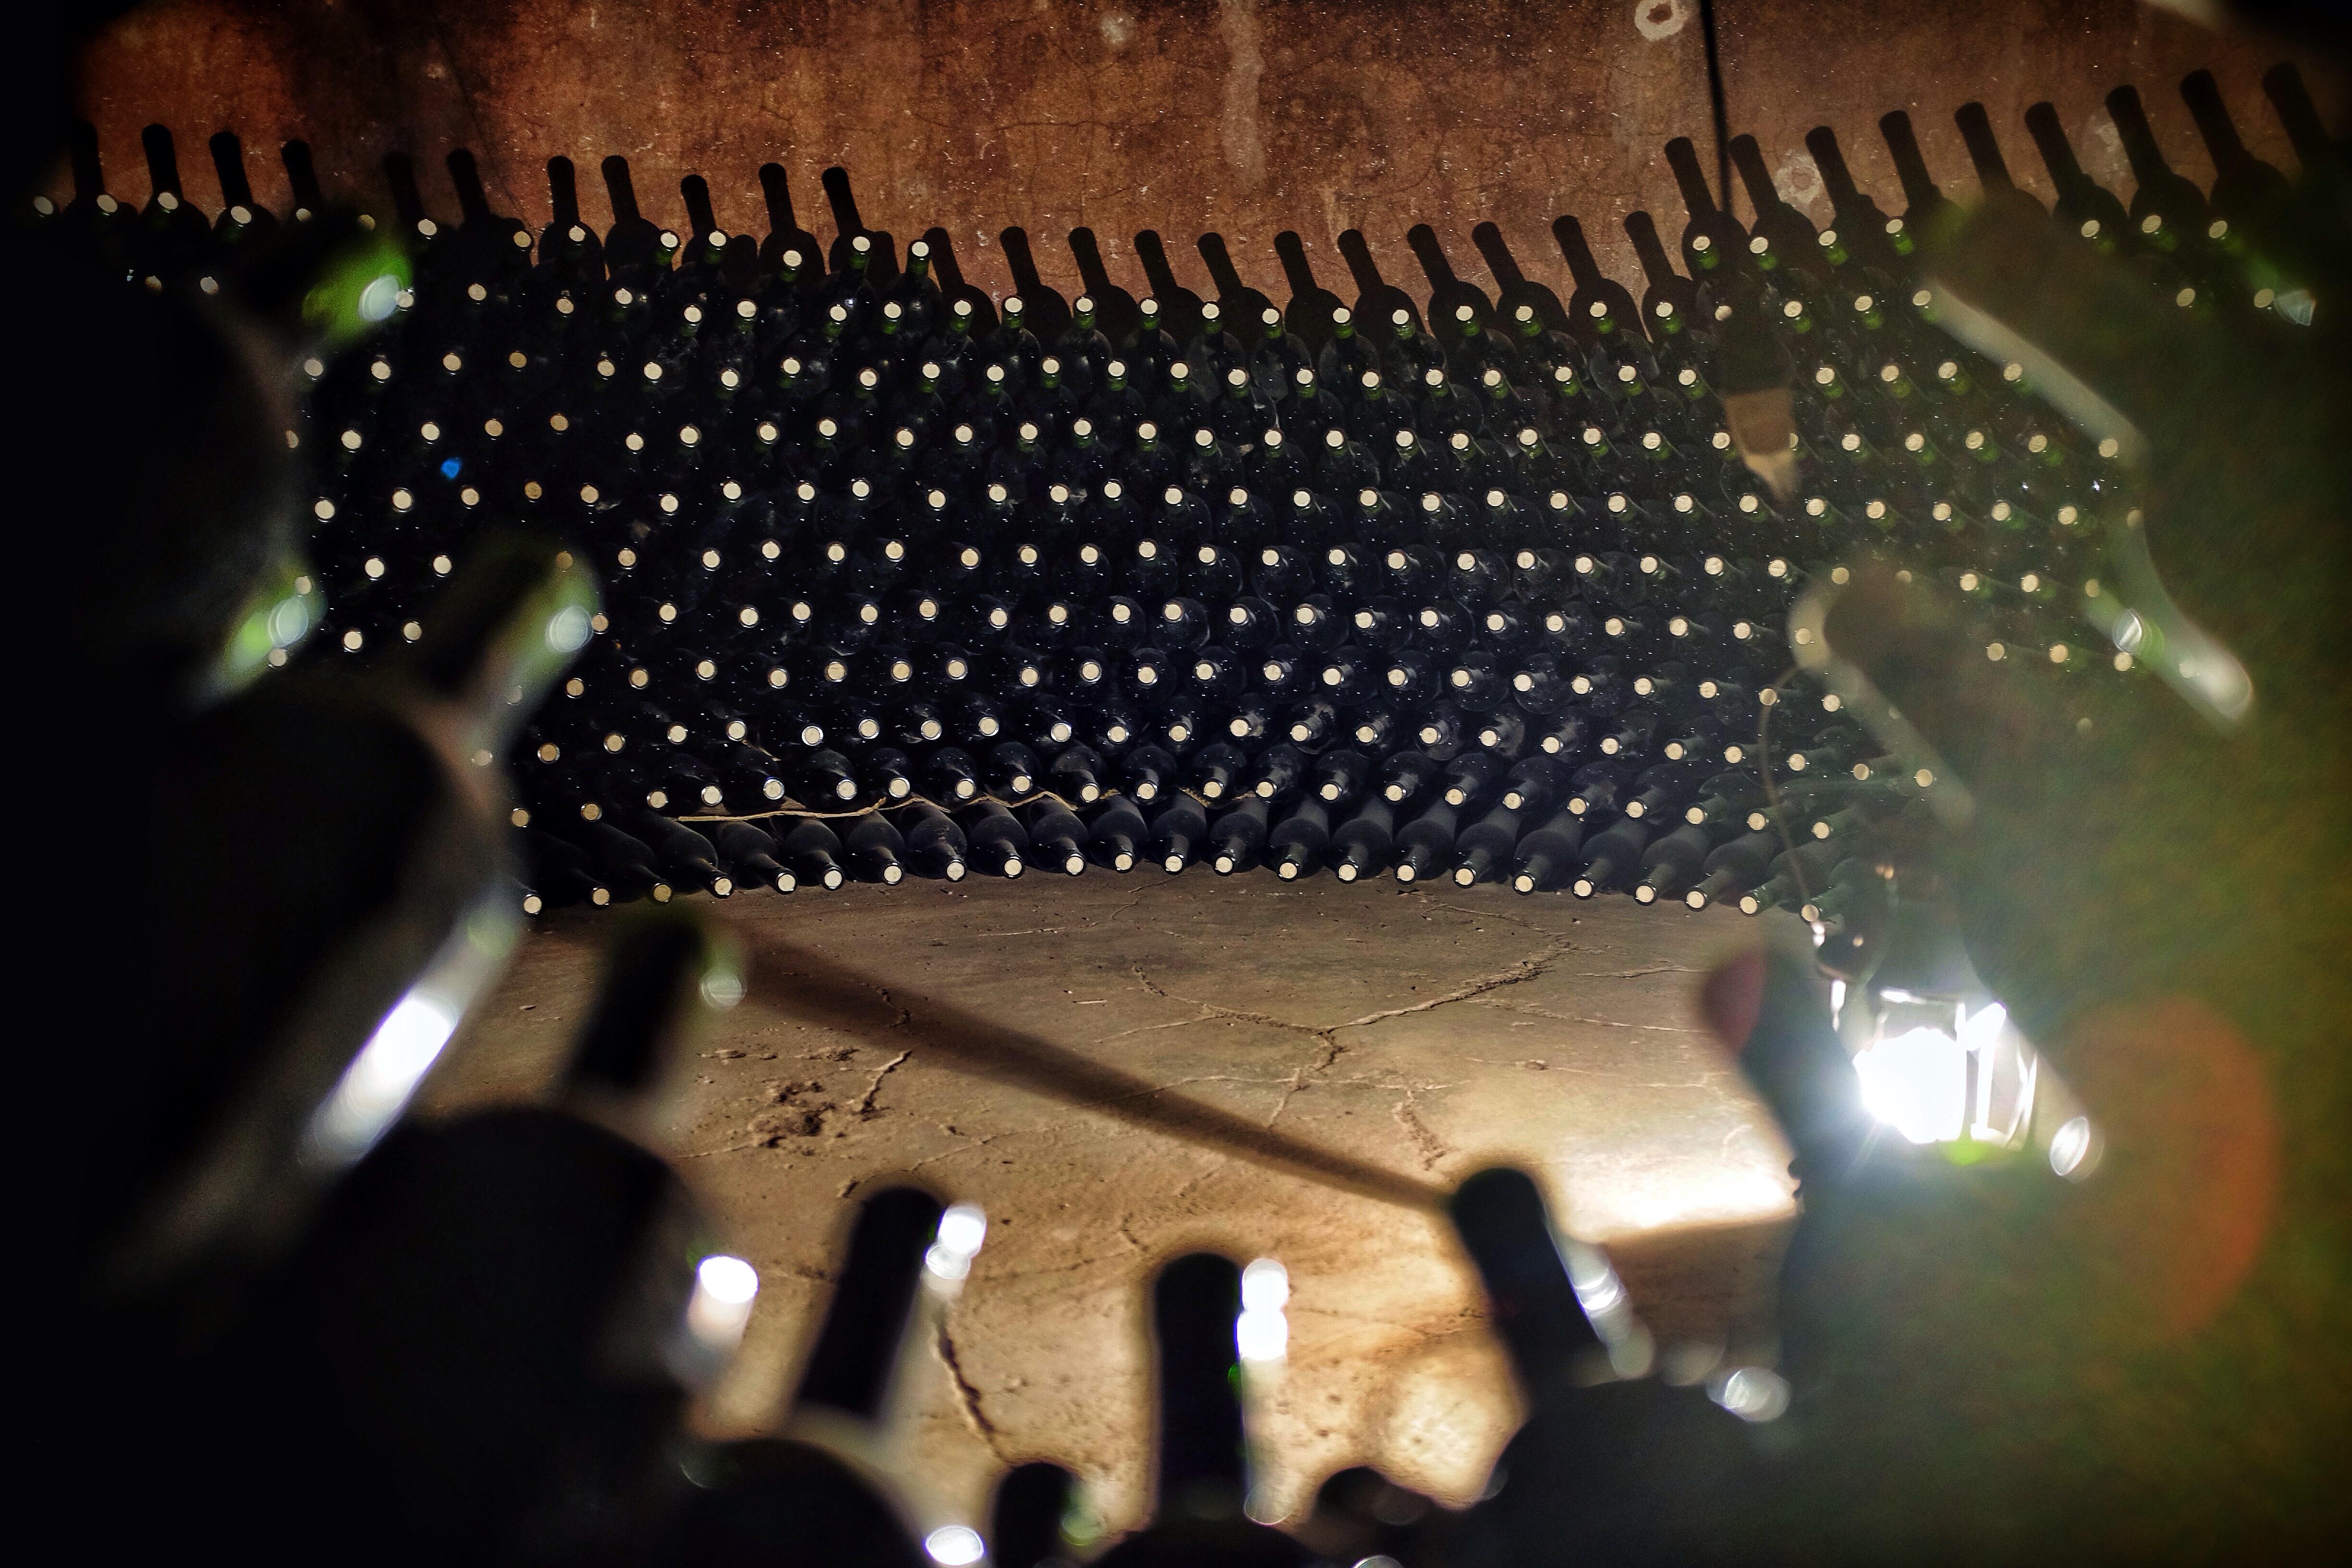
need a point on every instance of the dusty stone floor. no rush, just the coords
(1421, 1033)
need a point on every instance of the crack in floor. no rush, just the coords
(1218, 1010)
(1305, 1071)
(1494, 915)
(1151, 1028)
(864, 1109)
(1329, 1049)
(1114, 914)
(971, 1144)
(1537, 1010)
(967, 1396)
(1532, 967)
(1432, 1148)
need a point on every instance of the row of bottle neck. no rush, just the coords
(1537, 823)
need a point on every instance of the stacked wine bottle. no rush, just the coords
(903, 579)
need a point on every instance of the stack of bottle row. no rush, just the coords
(1478, 583)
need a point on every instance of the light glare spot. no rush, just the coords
(954, 1545)
(568, 629)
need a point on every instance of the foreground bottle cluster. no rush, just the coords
(1473, 583)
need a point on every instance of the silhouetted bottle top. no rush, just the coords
(2245, 189)
(659, 979)
(2081, 200)
(851, 1366)
(2160, 190)
(1242, 307)
(302, 181)
(241, 216)
(178, 235)
(1116, 313)
(1665, 285)
(1790, 237)
(1927, 203)
(1857, 221)
(567, 245)
(1503, 1225)
(2316, 151)
(1201, 1466)
(847, 223)
(1514, 288)
(566, 1381)
(978, 309)
(1178, 309)
(1726, 241)
(1309, 316)
(634, 247)
(1992, 170)
(494, 245)
(1592, 1462)
(1026, 1517)
(785, 233)
(1449, 294)
(771, 1499)
(1046, 310)
(1377, 299)
(92, 222)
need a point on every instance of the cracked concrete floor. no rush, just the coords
(1421, 1033)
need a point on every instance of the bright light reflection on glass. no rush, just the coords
(377, 1084)
(1261, 1332)
(963, 1228)
(375, 1088)
(955, 1545)
(722, 987)
(1606, 1305)
(724, 1288)
(568, 629)
(289, 620)
(1917, 1083)
(380, 298)
(2073, 1152)
(1753, 1394)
